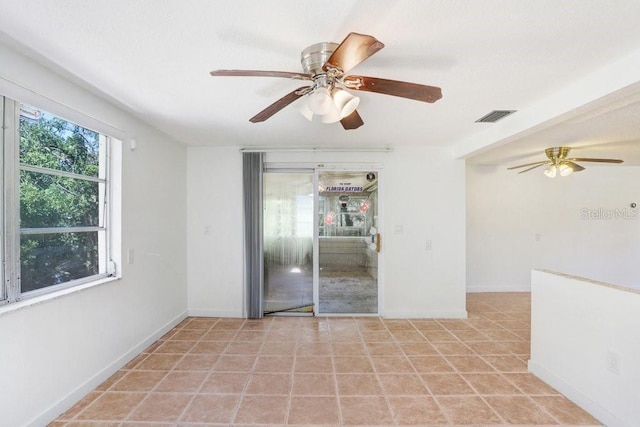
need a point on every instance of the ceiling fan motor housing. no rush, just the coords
(315, 56)
(557, 153)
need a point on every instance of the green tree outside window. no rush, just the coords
(54, 156)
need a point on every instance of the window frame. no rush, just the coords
(10, 288)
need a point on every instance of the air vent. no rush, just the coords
(494, 116)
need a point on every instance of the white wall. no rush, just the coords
(579, 330)
(215, 232)
(424, 194)
(54, 352)
(421, 191)
(506, 211)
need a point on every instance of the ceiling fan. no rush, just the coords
(560, 164)
(325, 65)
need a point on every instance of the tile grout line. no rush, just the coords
(386, 397)
(335, 382)
(243, 393)
(477, 391)
(290, 395)
(420, 375)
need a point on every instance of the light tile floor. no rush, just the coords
(335, 371)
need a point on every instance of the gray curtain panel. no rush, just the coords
(252, 165)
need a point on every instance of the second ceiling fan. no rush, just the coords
(559, 164)
(325, 65)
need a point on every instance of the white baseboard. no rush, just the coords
(499, 288)
(429, 314)
(205, 312)
(602, 414)
(69, 400)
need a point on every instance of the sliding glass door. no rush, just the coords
(320, 242)
(288, 241)
(348, 242)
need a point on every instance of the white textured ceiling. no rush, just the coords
(153, 57)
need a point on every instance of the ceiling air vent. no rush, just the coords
(494, 116)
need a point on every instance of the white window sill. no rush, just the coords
(28, 302)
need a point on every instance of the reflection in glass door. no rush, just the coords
(348, 242)
(288, 242)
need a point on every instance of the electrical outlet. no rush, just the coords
(613, 362)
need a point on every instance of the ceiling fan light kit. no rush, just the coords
(562, 169)
(559, 164)
(551, 171)
(565, 169)
(320, 101)
(328, 97)
(329, 106)
(345, 102)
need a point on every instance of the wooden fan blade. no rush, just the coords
(352, 121)
(354, 49)
(529, 164)
(531, 168)
(586, 159)
(414, 91)
(278, 105)
(259, 73)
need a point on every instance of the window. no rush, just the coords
(56, 203)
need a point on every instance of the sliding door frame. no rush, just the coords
(317, 169)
